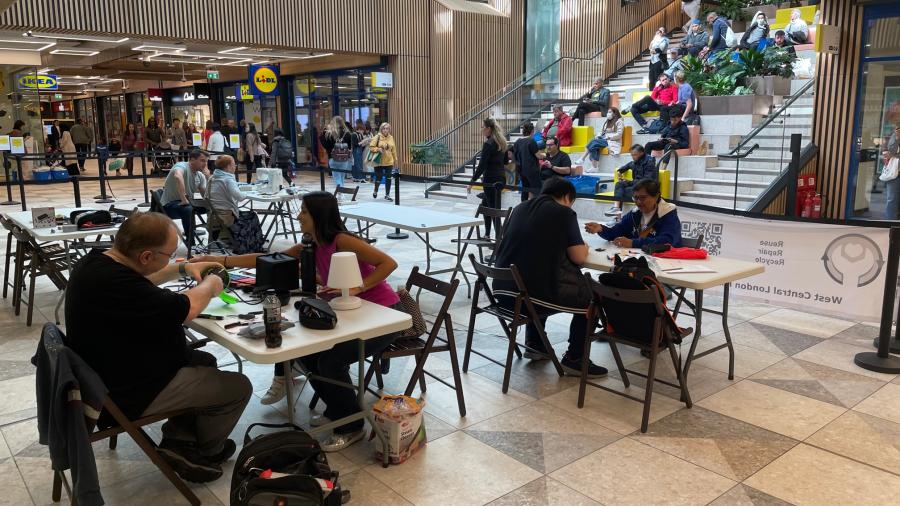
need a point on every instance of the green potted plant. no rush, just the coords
(721, 94)
(767, 72)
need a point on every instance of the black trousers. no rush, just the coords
(492, 195)
(82, 150)
(647, 104)
(585, 107)
(531, 183)
(387, 172)
(660, 145)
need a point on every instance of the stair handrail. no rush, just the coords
(778, 112)
(522, 80)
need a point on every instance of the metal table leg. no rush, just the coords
(698, 320)
(289, 389)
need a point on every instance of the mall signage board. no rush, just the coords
(830, 269)
(41, 82)
(155, 94)
(382, 80)
(263, 79)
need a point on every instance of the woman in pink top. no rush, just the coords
(321, 219)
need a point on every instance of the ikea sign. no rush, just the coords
(37, 82)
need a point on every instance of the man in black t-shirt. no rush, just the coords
(131, 333)
(556, 163)
(543, 240)
(527, 154)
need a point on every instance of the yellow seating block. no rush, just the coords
(783, 16)
(581, 135)
(635, 97)
(573, 149)
(626, 142)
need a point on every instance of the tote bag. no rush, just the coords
(889, 172)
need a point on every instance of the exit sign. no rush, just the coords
(212, 74)
(57, 96)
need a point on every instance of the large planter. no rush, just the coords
(738, 26)
(735, 104)
(770, 85)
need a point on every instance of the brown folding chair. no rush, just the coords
(610, 304)
(53, 341)
(10, 253)
(523, 313)
(34, 260)
(422, 348)
(498, 220)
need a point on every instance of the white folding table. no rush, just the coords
(278, 207)
(24, 219)
(725, 272)
(367, 322)
(421, 222)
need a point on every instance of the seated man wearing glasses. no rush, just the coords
(653, 220)
(543, 241)
(130, 331)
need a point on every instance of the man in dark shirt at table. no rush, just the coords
(131, 332)
(543, 240)
(556, 163)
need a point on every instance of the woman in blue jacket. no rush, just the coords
(653, 220)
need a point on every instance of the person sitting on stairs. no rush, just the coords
(663, 96)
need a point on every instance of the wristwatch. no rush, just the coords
(182, 270)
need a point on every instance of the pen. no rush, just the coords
(210, 317)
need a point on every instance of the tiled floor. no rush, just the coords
(799, 424)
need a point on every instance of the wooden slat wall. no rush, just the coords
(588, 25)
(836, 90)
(778, 206)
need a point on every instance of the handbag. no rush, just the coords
(409, 306)
(889, 172)
(373, 159)
(316, 314)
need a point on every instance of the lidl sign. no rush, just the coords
(263, 79)
(37, 82)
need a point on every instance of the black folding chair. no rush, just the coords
(522, 313)
(34, 260)
(611, 305)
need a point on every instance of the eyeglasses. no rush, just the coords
(170, 255)
(640, 198)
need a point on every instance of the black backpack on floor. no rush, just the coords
(291, 452)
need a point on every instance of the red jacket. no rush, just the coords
(665, 96)
(564, 130)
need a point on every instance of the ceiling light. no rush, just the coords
(44, 45)
(75, 52)
(158, 47)
(87, 38)
(45, 70)
(225, 51)
(96, 89)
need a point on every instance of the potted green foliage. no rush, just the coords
(767, 72)
(720, 92)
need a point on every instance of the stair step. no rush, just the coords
(729, 171)
(717, 196)
(723, 186)
(448, 194)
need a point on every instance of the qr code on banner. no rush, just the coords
(712, 234)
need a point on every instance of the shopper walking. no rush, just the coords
(337, 142)
(491, 167)
(205, 135)
(215, 145)
(254, 147)
(179, 139)
(55, 135)
(283, 154)
(83, 137)
(129, 143)
(526, 155)
(892, 187)
(383, 156)
(361, 138)
(69, 153)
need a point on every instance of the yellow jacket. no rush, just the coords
(387, 147)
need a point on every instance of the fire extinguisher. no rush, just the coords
(807, 206)
(816, 207)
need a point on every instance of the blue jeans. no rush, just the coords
(892, 199)
(594, 147)
(339, 174)
(358, 172)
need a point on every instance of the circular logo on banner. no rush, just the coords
(265, 80)
(855, 257)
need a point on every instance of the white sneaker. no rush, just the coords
(613, 211)
(338, 442)
(318, 420)
(277, 390)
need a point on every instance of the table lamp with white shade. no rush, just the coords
(344, 274)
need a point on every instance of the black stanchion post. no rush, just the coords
(9, 200)
(790, 206)
(76, 189)
(322, 177)
(146, 202)
(397, 234)
(102, 198)
(882, 361)
(21, 182)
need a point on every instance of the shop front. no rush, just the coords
(238, 104)
(877, 124)
(190, 105)
(20, 90)
(317, 98)
(143, 105)
(111, 110)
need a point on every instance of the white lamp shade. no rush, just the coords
(344, 271)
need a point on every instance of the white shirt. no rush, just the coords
(216, 144)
